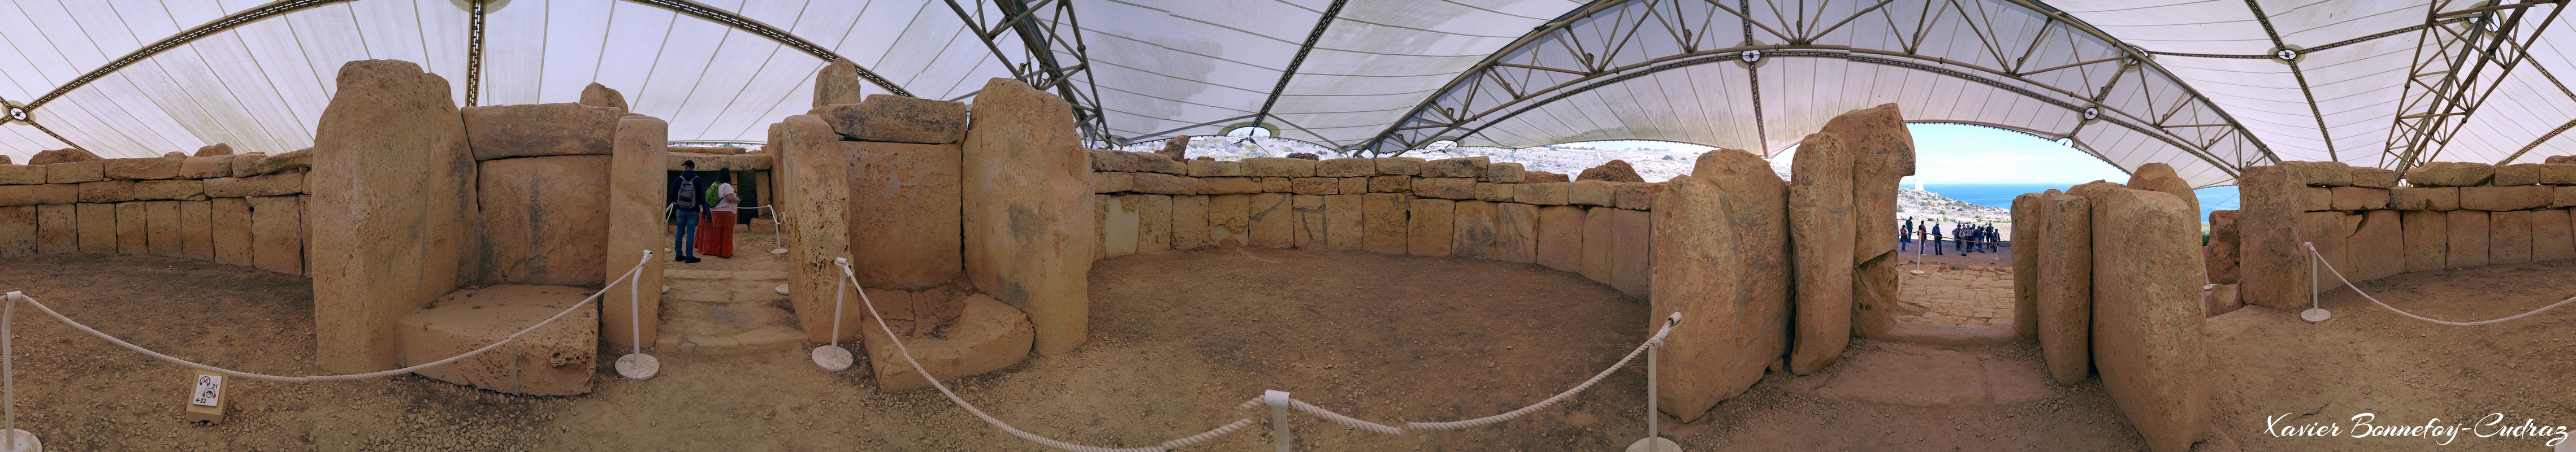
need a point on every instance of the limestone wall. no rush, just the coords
(215, 208)
(1465, 207)
(2446, 215)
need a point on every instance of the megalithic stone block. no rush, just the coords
(2469, 242)
(57, 229)
(1382, 218)
(17, 231)
(2222, 249)
(1429, 227)
(277, 234)
(197, 230)
(814, 212)
(546, 219)
(2147, 314)
(1597, 245)
(1153, 222)
(1726, 218)
(2377, 249)
(2428, 239)
(1821, 230)
(906, 214)
(2553, 235)
(1344, 221)
(2026, 244)
(1560, 238)
(1274, 221)
(97, 224)
(165, 234)
(1229, 220)
(1473, 232)
(1027, 241)
(2064, 302)
(1190, 222)
(392, 183)
(2272, 268)
(636, 185)
(133, 229)
(2509, 237)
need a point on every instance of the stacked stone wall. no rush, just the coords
(228, 209)
(2368, 226)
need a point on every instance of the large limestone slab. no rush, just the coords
(17, 231)
(545, 219)
(2026, 224)
(1515, 232)
(898, 119)
(74, 172)
(2509, 237)
(1153, 222)
(277, 234)
(147, 168)
(1229, 220)
(28, 195)
(1026, 239)
(1560, 238)
(1118, 224)
(392, 183)
(986, 336)
(2064, 302)
(2553, 236)
(1274, 221)
(133, 229)
(1474, 232)
(1597, 245)
(1190, 222)
(269, 185)
(529, 130)
(1727, 218)
(21, 174)
(1310, 231)
(197, 230)
(1882, 153)
(1821, 232)
(2272, 267)
(1632, 246)
(2516, 174)
(838, 83)
(57, 229)
(2427, 239)
(2359, 198)
(2147, 312)
(2450, 174)
(557, 359)
(2376, 249)
(2222, 249)
(1344, 221)
(53, 156)
(231, 219)
(2329, 232)
(636, 186)
(2468, 240)
(97, 223)
(2499, 199)
(2323, 174)
(206, 167)
(814, 201)
(1429, 228)
(906, 214)
(1382, 223)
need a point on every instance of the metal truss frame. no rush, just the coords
(2449, 77)
(1596, 46)
(1048, 32)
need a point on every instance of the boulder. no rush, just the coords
(392, 197)
(2377, 248)
(2450, 174)
(1611, 171)
(1429, 228)
(2220, 253)
(504, 131)
(2516, 174)
(57, 229)
(75, 172)
(1026, 239)
(1560, 238)
(2272, 266)
(1178, 149)
(1382, 223)
(2561, 159)
(898, 119)
(2064, 302)
(2147, 312)
(838, 83)
(1229, 220)
(545, 220)
(2553, 236)
(1821, 231)
(2363, 176)
(2427, 239)
(598, 95)
(2221, 300)
(148, 168)
(63, 155)
(1728, 217)
(2508, 238)
(905, 221)
(2323, 174)
(2498, 199)
(557, 359)
(2468, 241)
(1274, 221)
(987, 336)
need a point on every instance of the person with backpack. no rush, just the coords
(685, 205)
(715, 232)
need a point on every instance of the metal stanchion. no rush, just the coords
(1654, 441)
(2315, 313)
(637, 365)
(1278, 402)
(833, 357)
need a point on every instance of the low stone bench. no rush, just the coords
(987, 336)
(554, 360)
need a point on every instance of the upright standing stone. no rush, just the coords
(97, 227)
(837, 83)
(1428, 227)
(545, 219)
(1229, 220)
(197, 230)
(2553, 235)
(392, 183)
(1474, 231)
(1721, 260)
(2509, 237)
(1820, 226)
(1119, 221)
(1598, 246)
(2147, 313)
(17, 231)
(1382, 218)
(2272, 267)
(2064, 303)
(1274, 221)
(2468, 238)
(813, 163)
(231, 218)
(1190, 222)
(1632, 246)
(165, 233)
(132, 229)
(2428, 239)
(2026, 244)
(2377, 249)
(1153, 223)
(1343, 221)
(277, 234)
(906, 214)
(58, 229)
(1881, 154)
(1310, 220)
(1027, 242)
(1560, 238)
(2222, 249)
(1515, 232)
(628, 310)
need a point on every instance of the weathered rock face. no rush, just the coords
(555, 360)
(898, 119)
(2272, 267)
(2377, 247)
(2450, 174)
(987, 336)
(1612, 171)
(1821, 230)
(2469, 240)
(144, 168)
(837, 83)
(2516, 174)
(17, 231)
(1727, 218)
(214, 150)
(1028, 236)
(2508, 238)
(2363, 176)
(1230, 220)
(1382, 223)
(1882, 154)
(2329, 174)
(2026, 247)
(2064, 302)
(21, 174)
(1473, 230)
(598, 95)
(2428, 239)
(1560, 238)
(1428, 227)
(2553, 236)
(545, 219)
(814, 193)
(2499, 199)
(504, 131)
(2147, 312)
(271, 164)
(392, 187)
(905, 214)
(2160, 177)
(2220, 253)
(635, 189)
(63, 155)
(1178, 149)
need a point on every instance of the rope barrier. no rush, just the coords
(2316, 258)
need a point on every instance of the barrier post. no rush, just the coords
(1278, 401)
(2316, 312)
(637, 365)
(9, 433)
(832, 357)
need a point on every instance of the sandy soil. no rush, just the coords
(1181, 337)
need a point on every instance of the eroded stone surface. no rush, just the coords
(1821, 232)
(898, 119)
(906, 214)
(2450, 174)
(1429, 231)
(2064, 303)
(636, 184)
(392, 186)
(545, 219)
(2270, 261)
(557, 359)
(2147, 312)
(1027, 241)
(986, 336)
(504, 131)
(1728, 217)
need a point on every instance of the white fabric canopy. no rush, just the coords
(2212, 96)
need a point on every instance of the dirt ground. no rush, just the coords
(1179, 338)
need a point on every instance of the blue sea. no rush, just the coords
(2001, 195)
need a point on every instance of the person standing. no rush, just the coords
(715, 237)
(684, 209)
(1904, 234)
(1937, 238)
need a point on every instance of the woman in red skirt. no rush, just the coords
(715, 233)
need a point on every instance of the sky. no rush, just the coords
(1962, 154)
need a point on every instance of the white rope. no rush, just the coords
(2318, 258)
(853, 280)
(14, 297)
(1551, 401)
